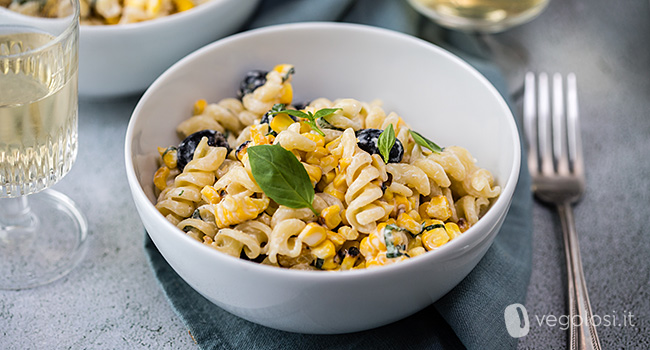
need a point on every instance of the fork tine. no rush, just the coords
(530, 121)
(573, 127)
(544, 124)
(560, 154)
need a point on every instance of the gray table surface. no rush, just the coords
(112, 299)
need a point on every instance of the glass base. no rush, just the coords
(42, 238)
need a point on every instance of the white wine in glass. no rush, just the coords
(42, 232)
(486, 16)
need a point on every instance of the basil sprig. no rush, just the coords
(424, 142)
(309, 117)
(281, 176)
(385, 142)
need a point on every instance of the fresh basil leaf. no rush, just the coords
(315, 127)
(277, 108)
(310, 119)
(325, 112)
(424, 142)
(293, 112)
(323, 123)
(392, 250)
(281, 176)
(386, 141)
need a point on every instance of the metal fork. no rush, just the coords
(556, 166)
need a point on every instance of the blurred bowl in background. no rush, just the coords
(124, 59)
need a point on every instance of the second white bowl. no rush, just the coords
(116, 60)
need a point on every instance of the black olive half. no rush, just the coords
(252, 81)
(186, 147)
(301, 105)
(368, 142)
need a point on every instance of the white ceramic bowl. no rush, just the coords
(437, 93)
(125, 59)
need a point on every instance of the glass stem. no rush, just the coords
(15, 212)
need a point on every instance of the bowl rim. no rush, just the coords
(469, 240)
(155, 23)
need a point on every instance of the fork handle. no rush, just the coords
(582, 333)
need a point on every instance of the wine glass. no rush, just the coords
(473, 23)
(42, 232)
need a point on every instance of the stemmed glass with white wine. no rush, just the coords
(42, 232)
(477, 20)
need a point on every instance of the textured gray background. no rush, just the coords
(112, 299)
(607, 45)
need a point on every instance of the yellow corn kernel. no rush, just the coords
(331, 216)
(210, 195)
(439, 208)
(328, 162)
(333, 144)
(140, 4)
(349, 233)
(374, 262)
(112, 20)
(313, 234)
(286, 95)
(169, 157)
(366, 249)
(415, 242)
(258, 133)
(153, 7)
(452, 230)
(324, 250)
(160, 177)
(344, 220)
(304, 127)
(422, 210)
(315, 156)
(334, 191)
(406, 222)
(402, 204)
(281, 122)
(183, 5)
(434, 234)
(343, 164)
(329, 264)
(416, 251)
(381, 260)
(313, 171)
(336, 238)
(339, 180)
(348, 262)
(415, 215)
(328, 177)
(199, 106)
(282, 68)
(389, 195)
(318, 139)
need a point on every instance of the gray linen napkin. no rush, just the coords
(469, 316)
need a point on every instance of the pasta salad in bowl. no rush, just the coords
(327, 185)
(277, 185)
